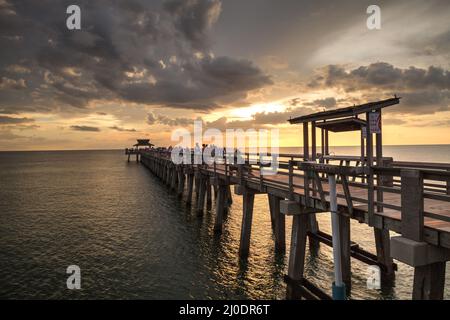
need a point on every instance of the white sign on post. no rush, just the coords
(375, 122)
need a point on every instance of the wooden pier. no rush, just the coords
(409, 198)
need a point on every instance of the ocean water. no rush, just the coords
(133, 239)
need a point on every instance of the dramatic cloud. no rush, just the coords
(203, 84)
(85, 128)
(194, 18)
(381, 75)
(139, 51)
(423, 90)
(150, 66)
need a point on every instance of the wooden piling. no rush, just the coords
(271, 210)
(279, 224)
(383, 249)
(201, 195)
(297, 252)
(229, 196)
(168, 175)
(220, 207)
(197, 185)
(313, 228)
(173, 183)
(208, 195)
(181, 179)
(246, 227)
(344, 225)
(429, 282)
(190, 185)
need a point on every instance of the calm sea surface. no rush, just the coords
(134, 239)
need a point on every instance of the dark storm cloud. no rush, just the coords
(140, 51)
(422, 101)
(194, 18)
(217, 80)
(382, 75)
(85, 128)
(423, 90)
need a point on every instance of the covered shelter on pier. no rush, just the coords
(365, 118)
(354, 118)
(141, 143)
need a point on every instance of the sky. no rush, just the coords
(142, 69)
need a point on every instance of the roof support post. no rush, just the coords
(363, 154)
(379, 156)
(322, 146)
(305, 142)
(370, 187)
(313, 141)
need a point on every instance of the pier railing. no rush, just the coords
(257, 161)
(292, 175)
